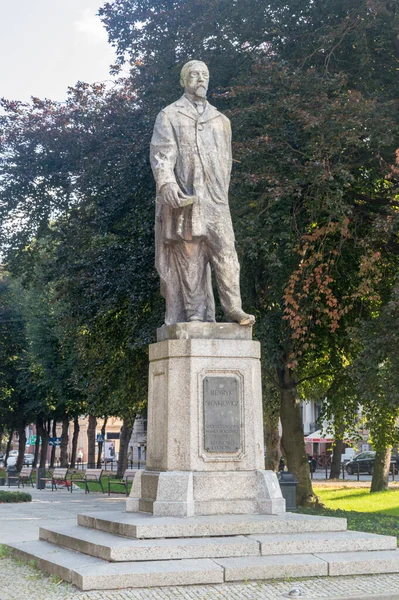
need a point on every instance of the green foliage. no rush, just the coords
(10, 497)
(5, 551)
(14, 412)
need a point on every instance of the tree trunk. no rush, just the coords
(382, 463)
(292, 439)
(126, 434)
(101, 444)
(336, 459)
(22, 444)
(53, 447)
(44, 434)
(8, 446)
(91, 442)
(272, 440)
(75, 438)
(1, 435)
(64, 442)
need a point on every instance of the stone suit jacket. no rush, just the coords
(193, 151)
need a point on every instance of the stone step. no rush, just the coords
(310, 565)
(89, 573)
(115, 548)
(326, 541)
(55, 561)
(273, 567)
(361, 563)
(142, 525)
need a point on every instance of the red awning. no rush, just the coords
(318, 437)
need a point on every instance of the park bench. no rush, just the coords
(91, 476)
(127, 476)
(25, 476)
(58, 476)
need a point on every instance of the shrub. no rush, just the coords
(14, 497)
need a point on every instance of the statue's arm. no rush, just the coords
(163, 151)
(163, 155)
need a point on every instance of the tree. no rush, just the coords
(376, 375)
(14, 413)
(99, 276)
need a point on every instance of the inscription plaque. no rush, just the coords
(222, 411)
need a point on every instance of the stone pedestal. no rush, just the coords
(205, 426)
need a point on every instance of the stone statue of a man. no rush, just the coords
(191, 162)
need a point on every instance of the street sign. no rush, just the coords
(54, 441)
(100, 437)
(32, 440)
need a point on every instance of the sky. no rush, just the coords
(48, 45)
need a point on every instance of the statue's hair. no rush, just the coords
(186, 68)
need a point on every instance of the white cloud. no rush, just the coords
(90, 25)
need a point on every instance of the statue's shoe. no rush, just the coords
(242, 318)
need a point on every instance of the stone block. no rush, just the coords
(176, 438)
(147, 574)
(326, 541)
(359, 563)
(118, 549)
(204, 331)
(141, 525)
(272, 567)
(54, 560)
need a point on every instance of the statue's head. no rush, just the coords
(194, 78)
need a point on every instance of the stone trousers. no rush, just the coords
(187, 286)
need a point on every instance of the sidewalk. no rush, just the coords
(21, 522)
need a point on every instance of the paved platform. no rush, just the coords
(50, 509)
(21, 522)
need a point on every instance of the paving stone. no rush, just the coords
(115, 548)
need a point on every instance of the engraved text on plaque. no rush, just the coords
(222, 423)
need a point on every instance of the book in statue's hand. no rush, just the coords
(187, 200)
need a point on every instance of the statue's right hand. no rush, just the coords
(170, 194)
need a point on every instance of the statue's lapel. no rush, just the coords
(209, 113)
(185, 107)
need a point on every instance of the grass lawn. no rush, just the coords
(374, 513)
(360, 500)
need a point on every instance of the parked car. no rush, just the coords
(28, 459)
(361, 463)
(365, 460)
(13, 453)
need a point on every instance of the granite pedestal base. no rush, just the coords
(188, 493)
(205, 426)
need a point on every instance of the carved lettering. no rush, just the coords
(222, 415)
